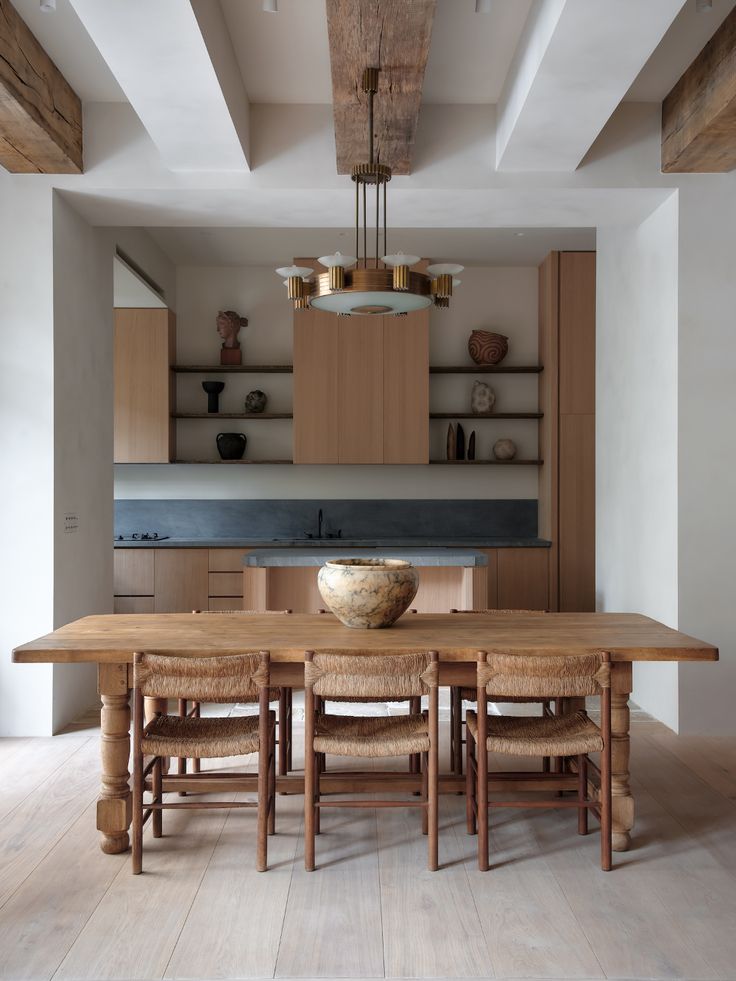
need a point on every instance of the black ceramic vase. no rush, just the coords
(231, 446)
(213, 390)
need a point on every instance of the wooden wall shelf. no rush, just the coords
(486, 369)
(211, 369)
(485, 415)
(488, 463)
(217, 462)
(233, 415)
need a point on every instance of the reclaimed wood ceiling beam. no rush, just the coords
(40, 113)
(699, 114)
(394, 36)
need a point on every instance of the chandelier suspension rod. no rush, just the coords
(385, 250)
(357, 222)
(365, 230)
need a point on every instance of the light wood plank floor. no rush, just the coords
(545, 910)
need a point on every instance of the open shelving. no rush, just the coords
(247, 369)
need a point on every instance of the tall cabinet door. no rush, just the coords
(316, 380)
(360, 390)
(144, 349)
(406, 388)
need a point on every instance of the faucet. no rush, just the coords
(320, 524)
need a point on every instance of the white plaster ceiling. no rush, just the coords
(72, 50)
(274, 246)
(284, 57)
(688, 34)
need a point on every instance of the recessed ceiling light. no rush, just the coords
(271, 6)
(701, 5)
(520, 234)
(483, 6)
(48, 6)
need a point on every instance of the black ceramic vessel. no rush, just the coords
(213, 390)
(231, 446)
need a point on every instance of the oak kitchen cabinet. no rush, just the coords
(144, 350)
(178, 580)
(361, 388)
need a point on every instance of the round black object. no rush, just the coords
(231, 446)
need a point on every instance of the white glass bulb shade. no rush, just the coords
(286, 271)
(371, 302)
(445, 269)
(399, 259)
(338, 259)
(456, 282)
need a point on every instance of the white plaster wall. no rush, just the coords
(83, 481)
(636, 436)
(495, 297)
(707, 447)
(26, 450)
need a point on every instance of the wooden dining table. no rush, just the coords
(111, 640)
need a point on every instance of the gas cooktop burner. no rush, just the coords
(141, 536)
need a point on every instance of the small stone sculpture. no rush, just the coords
(504, 449)
(471, 446)
(255, 401)
(482, 398)
(486, 347)
(228, 325)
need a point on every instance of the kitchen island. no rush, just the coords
(286, 578)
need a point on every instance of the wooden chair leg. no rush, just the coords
(415, 763)
(156, 785)
(456, 730)
(425, 793)
(582, 794)
(481, 785)
(310, 764)
(265, 739)
(289, 729)
(317, 810)
(137, 824)
(469, 783)
(197, 714)
(606, 808)
(272, 778)
(181, 764)
(283, 737)
(433, 801)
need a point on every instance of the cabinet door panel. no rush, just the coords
(180, 580)
(227, 559)
(360, 401)
(577, 513)
(406, 388)
(577, 332)
(133, 572)
(316, 377)
(143, 431)
(133, 604)
(226, 583)
(523, 578)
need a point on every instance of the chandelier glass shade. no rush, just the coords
(376, 284)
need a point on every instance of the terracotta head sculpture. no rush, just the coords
(228, 324)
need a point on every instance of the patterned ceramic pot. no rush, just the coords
(255, 401)
(368, 592)
(485, 347)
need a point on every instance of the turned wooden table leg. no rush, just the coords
(114, 802)
(623, 802)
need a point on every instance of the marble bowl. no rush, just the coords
(368, 592)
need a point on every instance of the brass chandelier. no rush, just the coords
(368, 285)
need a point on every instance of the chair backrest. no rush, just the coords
(503, 612)
(551, 676)
(230, 678)
(384, 676)
(247, 613)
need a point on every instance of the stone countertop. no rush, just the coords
(322, 543)
(300, 557)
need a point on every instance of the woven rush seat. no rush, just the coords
(556, 735)
(398, 735)
(208, 738)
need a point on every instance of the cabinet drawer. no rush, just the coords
(226, 559)
(226, 583)
(133, 604)
(133, 572)
(221, 604)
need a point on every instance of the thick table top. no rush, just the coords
(113, 638)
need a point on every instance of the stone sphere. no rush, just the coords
(255, 401)
(504, 449)
(368, 593)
